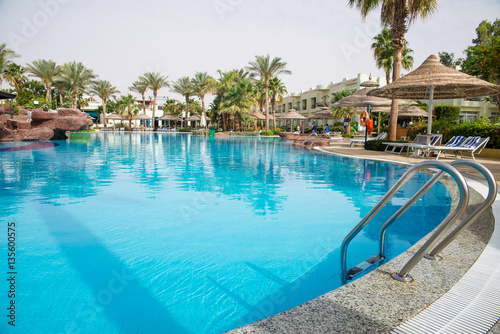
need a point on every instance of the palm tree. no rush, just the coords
(76, 77)
(5, 56)
(266, 69)
(140, 87)
(383, 51)
(127, 107)
(14, 74)
(185, 87)
(276, 89)
(342, 112)
(155, 82)
(46, 71)
(397, 14)
(240, 99)
(104, 89)
(203, 84)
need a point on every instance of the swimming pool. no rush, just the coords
(153, 233)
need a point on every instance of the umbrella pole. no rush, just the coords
(429, 110)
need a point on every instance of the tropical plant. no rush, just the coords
(265, 68)
(155, 82)
(203, 84)
(76, 78)
(185, 87)
(46, 71)
(14, 74)
(447, 59)
(383, 51)
(276, 89)
(239, 99)
(104, 89)
(342, 112)
(173, 107)
(140, 87)
(5, 55)
(397, 14)
(127, 107)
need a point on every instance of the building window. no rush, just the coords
(304, 104)
(468, 116)
(495, 117)
(313, 102)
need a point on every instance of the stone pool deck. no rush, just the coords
(376, 303)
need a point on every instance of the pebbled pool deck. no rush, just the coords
(376, 303)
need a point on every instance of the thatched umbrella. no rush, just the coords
(291, 115)
(433, 80)
(115, 117)
(169, 117)
(142, 117)
(193, 118)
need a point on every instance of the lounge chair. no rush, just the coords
(423, 150)
(418, 143)
(472, 145)
(355, 141)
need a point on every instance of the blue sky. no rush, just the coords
(322, 41)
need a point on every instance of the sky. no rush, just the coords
(321, 41)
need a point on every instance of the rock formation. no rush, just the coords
(42, 125)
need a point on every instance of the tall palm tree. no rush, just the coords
(185, 87)
(155, 82)
(266, 69)
(383, 51)
(203, 84)
(397, 14)
(76, 77)
(46, 71)
(127, 107)
(140, 87)
(104, 89)
(277, 89)
(5, 55)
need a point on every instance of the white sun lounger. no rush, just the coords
(472, 145)
(355, 141)
(419, 140)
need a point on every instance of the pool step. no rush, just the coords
(363, 266)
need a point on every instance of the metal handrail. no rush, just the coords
(312, 133)
(459, 179)
(492, 194)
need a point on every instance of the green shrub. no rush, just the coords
(244, 133)
(338, 124)
(481, 128)
(375, 145)
(267, 133)
(347, 135)
(277, 131)
(449, 113)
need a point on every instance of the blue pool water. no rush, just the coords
(172, 233)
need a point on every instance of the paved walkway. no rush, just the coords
(343, 149)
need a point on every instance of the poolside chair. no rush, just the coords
(417, 146)
(472, 145)
(355, 141)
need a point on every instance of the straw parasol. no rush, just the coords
(142, 117)
(291, 115)
(193, 118)
(433, 80)
(413, 111)
(115, 116)
(257, 115)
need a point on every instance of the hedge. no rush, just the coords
(448, 113)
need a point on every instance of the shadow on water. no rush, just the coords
(117, 293)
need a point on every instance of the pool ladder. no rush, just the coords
(309, 147)
(431, 248)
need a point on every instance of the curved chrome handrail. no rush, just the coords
(312, 133)
(492, 194)
(459, 179)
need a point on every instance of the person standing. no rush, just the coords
(302, 128)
